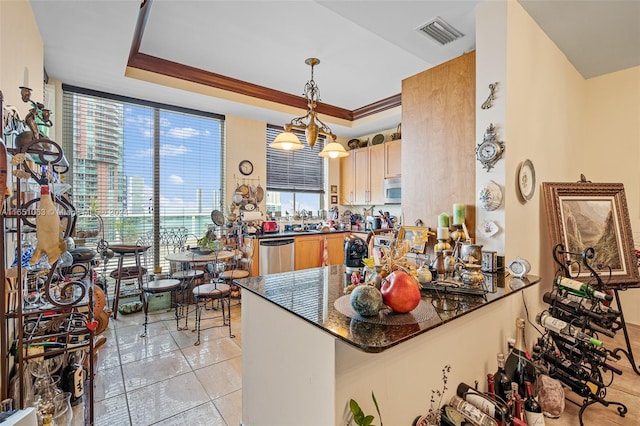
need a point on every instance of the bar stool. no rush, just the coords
(123, 273)
(155, 287)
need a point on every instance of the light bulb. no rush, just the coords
(286, 146)
(333, 154)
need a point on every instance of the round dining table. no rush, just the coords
(198, 258)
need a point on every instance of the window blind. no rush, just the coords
(152, 172)
(294, 171)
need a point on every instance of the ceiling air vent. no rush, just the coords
(440, 31)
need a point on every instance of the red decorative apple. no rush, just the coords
(400, 292)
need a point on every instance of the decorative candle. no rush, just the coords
(458, 214)
(443, 220)
(442, 233)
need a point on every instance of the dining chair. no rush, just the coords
(218, 293)
(240, 266)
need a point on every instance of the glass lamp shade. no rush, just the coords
(286, 141)
(333, 150)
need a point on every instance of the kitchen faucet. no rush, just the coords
(303, 215)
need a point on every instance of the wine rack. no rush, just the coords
(44, 317)
(577, 315)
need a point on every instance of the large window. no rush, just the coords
(295, 179)
(149, 172)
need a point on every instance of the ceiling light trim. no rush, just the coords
(153, 64)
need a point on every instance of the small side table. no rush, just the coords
(155, 287)
(122, 272)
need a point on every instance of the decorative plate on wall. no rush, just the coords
(526, 175)
(377, 139)
(490, 196)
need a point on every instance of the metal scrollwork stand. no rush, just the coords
(559, 255)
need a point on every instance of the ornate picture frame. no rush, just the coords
(417, 236)
(585, 214)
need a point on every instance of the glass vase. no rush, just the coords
(63, 413)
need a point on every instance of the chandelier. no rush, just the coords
(288, 141)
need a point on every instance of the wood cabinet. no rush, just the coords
(392, 158)
(309, 250)
(362, 174)
(308, 253)
(438, 141)
(376, 174)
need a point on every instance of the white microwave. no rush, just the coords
(392, 190)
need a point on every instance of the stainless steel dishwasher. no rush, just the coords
(276, 255)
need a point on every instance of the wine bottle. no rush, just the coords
(580, 322)
(532, 410)
(495, 409)
(471, 413)
(571, 368)
(576, 308)
(491, 384)
(517, 402)
(517, 366)
(561, 327)
(502, 381)
(73, 380)
(581, 289)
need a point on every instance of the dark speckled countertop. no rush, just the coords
(310, 294)
(290, 234)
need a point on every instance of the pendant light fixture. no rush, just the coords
(288, 141)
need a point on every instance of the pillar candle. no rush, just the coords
(458, 214)
(442, 233)
(443, 220)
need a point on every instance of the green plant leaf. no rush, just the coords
(367, 421)
(373, 396)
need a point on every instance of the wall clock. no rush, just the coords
(526, 180)
(245, 167)
(490, 150)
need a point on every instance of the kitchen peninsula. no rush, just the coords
(303, 359)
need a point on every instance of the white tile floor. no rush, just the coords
(164, 379)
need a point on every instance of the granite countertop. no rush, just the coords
(310, 294)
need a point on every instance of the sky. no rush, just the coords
(190, 148)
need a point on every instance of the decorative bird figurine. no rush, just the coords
(48, 229)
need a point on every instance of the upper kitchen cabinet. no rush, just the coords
(363, 172)
(354, 175)
(392, 158)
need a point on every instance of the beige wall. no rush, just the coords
(21, 54)
(245, 140)
(611, 148)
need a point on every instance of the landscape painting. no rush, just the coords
(592, 223)
(585, 215)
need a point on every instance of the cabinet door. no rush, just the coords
(376, 173)
(335, 246)
(361, 176)
(393, 158)
(308, 253)
(346, 179)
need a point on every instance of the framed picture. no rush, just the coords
(380, 242)
(583, 215)
(334, 189)
(334, 199)
(417, 236)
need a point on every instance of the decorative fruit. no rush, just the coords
(366, 300)
(400, 292)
